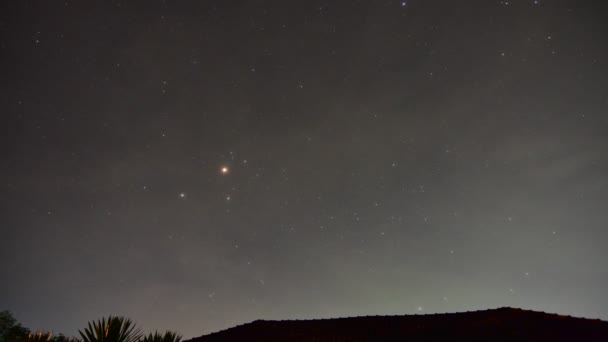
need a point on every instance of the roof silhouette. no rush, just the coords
(503, 324)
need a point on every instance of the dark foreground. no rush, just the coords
(504, 324)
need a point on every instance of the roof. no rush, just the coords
(494, 324)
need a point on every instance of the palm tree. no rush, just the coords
(169, 336)
(63, 338)
(115, 329)
(39, 336)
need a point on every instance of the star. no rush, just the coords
(224, 170)
(182, 195)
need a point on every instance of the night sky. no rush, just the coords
(195, 165)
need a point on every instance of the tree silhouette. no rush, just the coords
(111, 329)
(168, 336)
(10, 329)
(114, 329)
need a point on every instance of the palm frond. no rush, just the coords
(114, 329)
(168, 336)
(39, 336)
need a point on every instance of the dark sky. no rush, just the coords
(383, 157)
